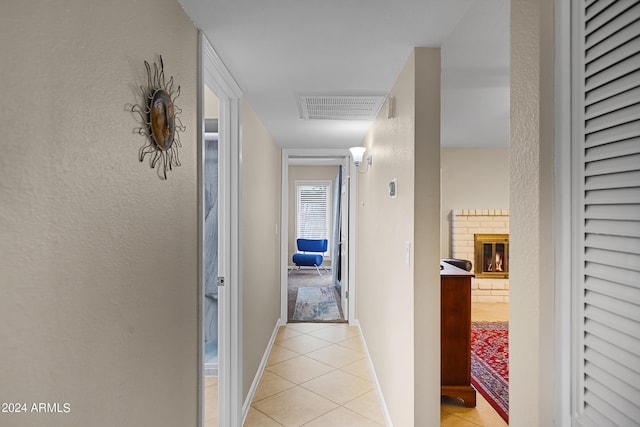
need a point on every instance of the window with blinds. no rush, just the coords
(313, 214)
(607, 199)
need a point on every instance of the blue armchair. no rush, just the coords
(304, 259)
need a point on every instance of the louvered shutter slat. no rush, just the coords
(603, 400)
(597, 7)
(616, 259)
(590, 2)
(610, 135)
(617, 180)
(625, 35)
(615, 165)
(601, 323)
(614, 72)
(614, 103)
(614, 228)
(595, 417)
(619, 149)
(621, 372)
(614, 274)
(613, 353)
(615, 118)
(622, 212)
(617, 389)
(622, 292)
(617, 55)
(611, 21)
(618, 244)
(623, 84)
(613, 195)
(627, 309)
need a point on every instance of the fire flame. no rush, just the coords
(498, 264)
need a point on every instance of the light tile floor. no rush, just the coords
(316, 375)
(211, 401)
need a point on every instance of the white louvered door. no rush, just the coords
(606, 374)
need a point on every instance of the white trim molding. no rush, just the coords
(562, 222)
(291, 156)
(215, 75)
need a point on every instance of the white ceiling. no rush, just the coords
(279, 49)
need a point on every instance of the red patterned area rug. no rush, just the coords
(490, 363)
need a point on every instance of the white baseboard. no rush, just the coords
(374, 377)
(256, 380)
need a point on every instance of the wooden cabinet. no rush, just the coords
(455, 334)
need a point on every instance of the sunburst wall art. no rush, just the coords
(158, 115)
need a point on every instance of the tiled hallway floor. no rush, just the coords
(316, 375)
(211, 401)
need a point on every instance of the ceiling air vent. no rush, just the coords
(361, 107)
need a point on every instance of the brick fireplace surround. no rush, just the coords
(467, 222)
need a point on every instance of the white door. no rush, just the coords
(606, 197)
(344, 239)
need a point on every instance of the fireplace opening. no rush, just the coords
(492, 255)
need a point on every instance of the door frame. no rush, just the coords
(347, 207)
(320, 156)
(563, 215)
(214, 74)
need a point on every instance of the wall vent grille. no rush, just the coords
(361, 107)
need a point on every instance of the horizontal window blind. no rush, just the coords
(313, 209)
(608, 283)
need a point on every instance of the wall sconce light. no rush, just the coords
(357, 153)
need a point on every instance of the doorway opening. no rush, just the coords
(219, 329)
(317, 198)
(210, 246)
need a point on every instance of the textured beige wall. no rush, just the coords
(384, 281)
(472, 178)
(99, 270)
(531, 195)
(320, 173)
(260, 243)
(398, 303)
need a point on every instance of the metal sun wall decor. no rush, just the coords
(159, 118)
